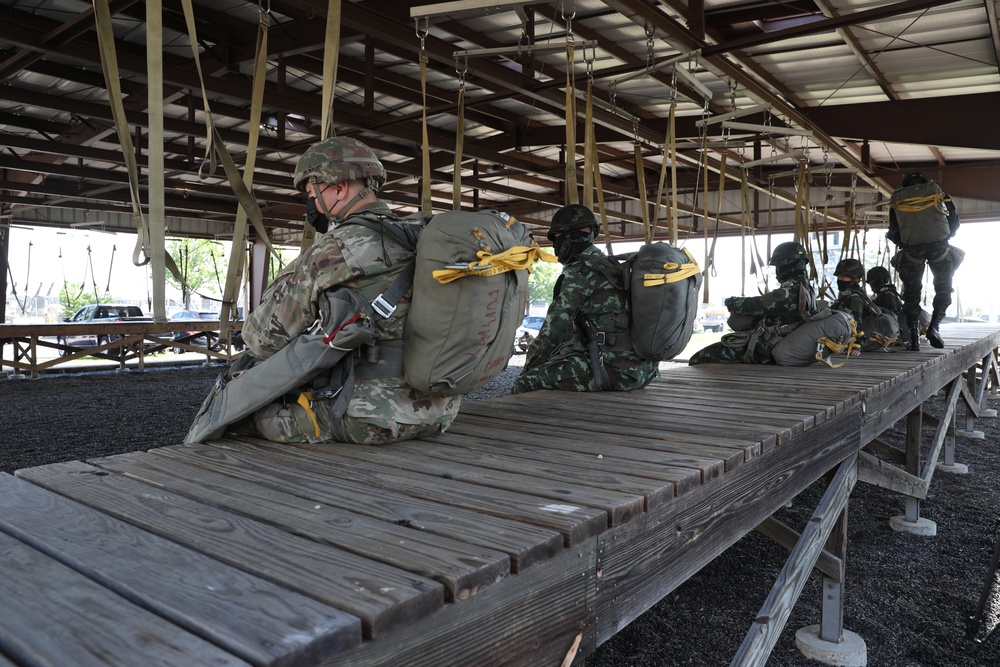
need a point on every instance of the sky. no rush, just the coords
(90, 256)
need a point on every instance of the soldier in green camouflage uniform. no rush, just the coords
(583, 344)
(851, 296)
(341, 176)
(885, 296)
(776, 310)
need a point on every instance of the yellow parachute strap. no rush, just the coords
(305, 400)
(882, 341)
(837, 347)
(914, 204)
(515, 259)
(680, 272)
(572, 196)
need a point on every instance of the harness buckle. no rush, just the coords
(382, 307)
(602, 337)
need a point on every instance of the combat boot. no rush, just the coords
(933, 333)
(914, 343)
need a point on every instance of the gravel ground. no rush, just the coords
(907, 596)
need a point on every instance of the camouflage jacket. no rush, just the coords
(786, 304)
(853, 300)
(357, 257)
(584, 297)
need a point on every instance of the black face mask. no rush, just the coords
(783, 273)
(845, 284)
(567, 245)
(316, 218)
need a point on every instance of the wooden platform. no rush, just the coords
(531, 532)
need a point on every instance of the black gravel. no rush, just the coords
(907, 596)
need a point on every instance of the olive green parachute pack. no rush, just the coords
(921, 213)
(822, 334)
(663, 285)
(469, 289)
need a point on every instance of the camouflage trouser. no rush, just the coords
(722, 353)
(942, 260)
(575, 373)
(289, 422)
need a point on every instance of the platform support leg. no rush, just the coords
(910, 521)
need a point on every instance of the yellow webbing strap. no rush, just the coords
(599, 187)
(589, 148)
(515, 259)
(883, 341)
(837, 347)
(305, 400)
(572, 196)
(704, 220)
(914, 204)
(678, 273)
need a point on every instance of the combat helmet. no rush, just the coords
(336, 160)
(852, 268)
(788, 253)
(913, 178)
(570, 218)
(878, 276)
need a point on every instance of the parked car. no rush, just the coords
(195, 338)
(100, 312)
(715, 319)
(527, 332)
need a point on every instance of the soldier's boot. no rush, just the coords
(933, 333)
(914, 343)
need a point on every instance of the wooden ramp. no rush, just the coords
(532, 531)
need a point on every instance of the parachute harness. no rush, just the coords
(838, 347)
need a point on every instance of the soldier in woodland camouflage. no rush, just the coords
(851, 296)
(885, 296)
(774, 313)
(583, 344)
(341, 177)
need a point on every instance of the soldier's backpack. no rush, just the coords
(921, 213)
(662, 283)
(470, 289)
(822, 334)
(881, 325)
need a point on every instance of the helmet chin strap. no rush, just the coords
(337, 219)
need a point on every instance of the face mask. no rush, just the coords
(316, 218)
(844, 284)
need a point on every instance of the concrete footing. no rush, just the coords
(849, 652)
(921, 526)
(954, 468)
(970, 435)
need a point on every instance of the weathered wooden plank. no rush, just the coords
(97, 627)
(524, 543)
(879, 473)
(244, 614)
(462, 569)
(529, 621)
(576, 523)
(646, 450)
(383, 597)
(681, 478)
(621, 499)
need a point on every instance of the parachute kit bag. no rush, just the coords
(798, 347)
(470, 288)
(921, 213)
(663, 283)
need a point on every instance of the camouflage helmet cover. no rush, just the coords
(878, 276)
(571, 217)
(787, 253)
(336, 160)
(852, 268)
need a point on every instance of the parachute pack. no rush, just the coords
(823, 333)
(469, 289)
(662, 284)
(921, 213)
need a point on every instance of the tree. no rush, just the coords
(73, 296)
(542, 281)
(199, 261)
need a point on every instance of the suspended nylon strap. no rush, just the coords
(154, 168)
(456, 184)
(770, 231)
(240, 230)
(599, 187)
(489, 264)
(590, 158)
(640, 183)
(672, 205)
(425, 162)
(718, 210)
(708, 258)
(572, 197)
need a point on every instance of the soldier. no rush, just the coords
(774, 314)
(583, 344)
(852, 298)
(885, 296)
(921, 220)
(342, 176)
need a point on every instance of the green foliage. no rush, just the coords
(74, 296)
(542, 281)
(200, 262)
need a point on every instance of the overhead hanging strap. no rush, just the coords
(456, 185)
(425, 144)
(154, 165)
(590, 157)
(572, 196)
(669, 156)
(640, 182)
